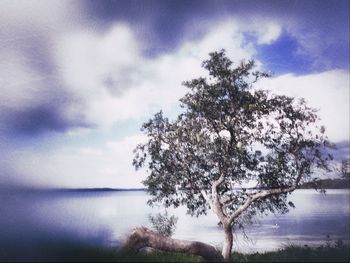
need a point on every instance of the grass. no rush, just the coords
(159, 256)
(337, 252)
(292, 253)
(109, 255)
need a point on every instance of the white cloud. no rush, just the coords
(324, 44)
(20, 85)
(108, 165)
(327, 91)
(27, 79)
(116, 82)
(89, 151)
(103, 77)
(37, 15)
(111, 81)
(269, 33)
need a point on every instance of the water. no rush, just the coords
(31, 220)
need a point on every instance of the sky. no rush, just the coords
(78, 78)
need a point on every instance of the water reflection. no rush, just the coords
(30, 219)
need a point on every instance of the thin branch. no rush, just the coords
(206, 197)
(264, 194)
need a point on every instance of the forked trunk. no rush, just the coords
(228, 241)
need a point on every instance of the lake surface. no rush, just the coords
(30, 220)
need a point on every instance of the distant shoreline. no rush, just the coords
(104, 189)
(321, 184)
(327, 184)
(26, 189)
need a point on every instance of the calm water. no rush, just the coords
(29, 220)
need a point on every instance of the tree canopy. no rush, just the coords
(228, 136)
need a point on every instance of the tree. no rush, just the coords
(230, 134)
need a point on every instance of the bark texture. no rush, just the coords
(142, 237)
(228, 242)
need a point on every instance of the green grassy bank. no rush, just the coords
(326, 253)
(71, 252)
(337, 252)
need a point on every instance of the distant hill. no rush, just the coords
(98, 189)
(328, 184)
(21, 189)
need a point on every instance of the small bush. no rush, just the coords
(163, 223)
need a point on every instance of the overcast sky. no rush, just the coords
(78, 78)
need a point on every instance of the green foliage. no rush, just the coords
(229, 129)
(163, 223)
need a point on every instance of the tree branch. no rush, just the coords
(264, 194)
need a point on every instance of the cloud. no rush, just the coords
(109, 164)
(116, 82)
(33, 100)
(269, 34)
(326, 91)
(321, 30)
(94, 78)
(61, 70)
(99, 70)
(106, 165)
(36, 120)
(320, 27)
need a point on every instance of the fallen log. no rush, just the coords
(142, 237)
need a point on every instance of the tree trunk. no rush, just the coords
(227, 248)
(142, 237)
